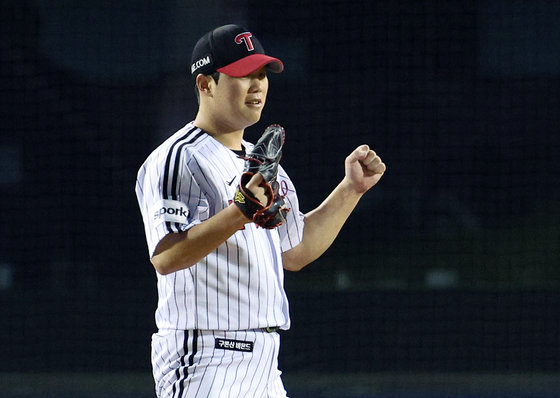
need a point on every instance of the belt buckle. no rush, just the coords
(271, 329)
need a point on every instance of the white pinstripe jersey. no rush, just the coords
(238, 286)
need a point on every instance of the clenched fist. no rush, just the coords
(363, 168)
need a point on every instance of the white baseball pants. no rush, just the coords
(217, 364)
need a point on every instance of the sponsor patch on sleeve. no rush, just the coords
(166, 210)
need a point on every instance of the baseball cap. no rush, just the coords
(233, 50)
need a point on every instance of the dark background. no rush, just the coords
(450, 264)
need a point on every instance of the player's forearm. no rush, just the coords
(183, 250)
(322, 226)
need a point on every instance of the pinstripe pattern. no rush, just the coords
(190, 366)
(237, 288)
(171, 170)
(239, 285)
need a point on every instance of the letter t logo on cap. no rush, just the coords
(245, 37)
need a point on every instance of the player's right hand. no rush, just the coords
(363, 168)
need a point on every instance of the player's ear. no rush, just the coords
(203, 84)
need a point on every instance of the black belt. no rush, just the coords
(271, 329)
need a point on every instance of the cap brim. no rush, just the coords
(246, 66)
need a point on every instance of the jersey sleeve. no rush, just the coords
(170, 200)
(290, 232)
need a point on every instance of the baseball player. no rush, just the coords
(222, 222)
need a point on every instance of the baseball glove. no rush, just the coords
(263, 159)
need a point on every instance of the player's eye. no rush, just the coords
(259, 74)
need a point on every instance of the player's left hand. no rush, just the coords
(363, 168)
(257, 195)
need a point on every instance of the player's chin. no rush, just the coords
(253, 116)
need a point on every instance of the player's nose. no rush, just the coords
(256, 85)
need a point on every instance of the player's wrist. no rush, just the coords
(238, 217)
(351, 189)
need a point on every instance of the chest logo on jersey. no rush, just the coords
(234, 345)
(284, 188)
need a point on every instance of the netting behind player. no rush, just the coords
(460, 99)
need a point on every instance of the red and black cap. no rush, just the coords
(233, 50)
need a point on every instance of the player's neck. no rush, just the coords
(229, 140)
(224, 134)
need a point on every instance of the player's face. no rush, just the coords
(242, 99)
